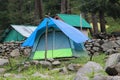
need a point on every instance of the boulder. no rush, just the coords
(111, 63)
(3, 62)
(112, 60)
(90, 67)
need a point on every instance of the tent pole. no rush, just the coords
(53, 42)
(81, 22)
(46, 42)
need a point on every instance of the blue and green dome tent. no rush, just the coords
(63, 40)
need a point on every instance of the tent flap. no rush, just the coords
(67, 29)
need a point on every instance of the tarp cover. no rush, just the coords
(25, 31)
(67, 29)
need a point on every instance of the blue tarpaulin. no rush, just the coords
(67, 29)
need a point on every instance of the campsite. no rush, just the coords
(59, 40)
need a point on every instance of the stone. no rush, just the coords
(37, 74)
(8, 75)
(15, 53)
(113, 77)
(27, 51)
(34, 62)
(118, 42)
(96, 49)
(81, 77)
(51, 59)
(111, 51)
(112, 60)
(64, 70)
(99, 77)
(2, 70)
(73, 67)
(90, 67)
(56, 63)
(19, 76)
(117, 67)
(3, 62)
(46, 64)
(109, 45)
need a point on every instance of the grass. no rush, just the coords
(27, 73)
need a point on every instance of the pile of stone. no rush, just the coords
(13, 49)
(108, 46)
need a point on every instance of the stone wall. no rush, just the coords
(13, 49)
(108, 46)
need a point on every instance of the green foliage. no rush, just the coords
(52, 7)
(114, 25)
(4, 20)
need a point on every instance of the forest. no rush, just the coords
(31, 12)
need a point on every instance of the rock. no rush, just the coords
(46, 64)
(51, 59)
(19, 76)
(111, 51)
(3, 62)
(99, 77)
(111, 71)
(113, 77)
(96, 44)
(109, 45)
(8, 75)
(27, 51)
(56, 70)
(37, 74)
(64, 70)
(2, 70)
(15, 53)
(96, 49)
(112, 60)
(117, 67)
(81, 77)
(56, 63)
(73, 67)
(118, 42)
(34, 62)
(90, 67)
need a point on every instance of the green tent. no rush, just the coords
(13, 35)
(74, 20)
(17, 33)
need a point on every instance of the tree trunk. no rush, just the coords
(63, 6)
(20, 11)
(102, 21)
(94, 22)
(68, 7)
(40, 8)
